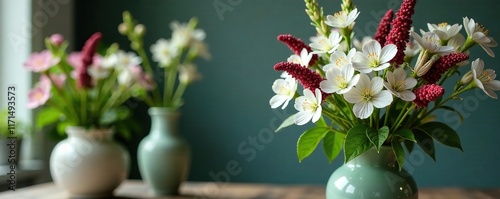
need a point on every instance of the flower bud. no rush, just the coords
(467, 78)
(123, 29)
(139, 29)
(423, 69)
(56, 39)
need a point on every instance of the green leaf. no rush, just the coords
(442, 133)
(332, 144)
(47, 116)
(409, 145)
(425, 142)
(61, 127)
(286, 123)
(356, 142)
(406, 134)
(448, 108)
(399, 152)
(309, 140)
(377, 138)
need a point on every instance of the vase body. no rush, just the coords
(89, 163)
(371, 175)
(163, 155)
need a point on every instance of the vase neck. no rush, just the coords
(164, 121)
(384, 158)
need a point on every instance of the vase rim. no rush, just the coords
(162, 111)
(81, 132)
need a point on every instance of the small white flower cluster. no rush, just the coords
(184, 37)
(357, 75)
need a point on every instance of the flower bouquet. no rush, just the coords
(163, 155)
(382, 91)
(85, 88)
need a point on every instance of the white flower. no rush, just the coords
(125, 77)
(412, 48)
(430, 41)
(188, 73)
(485, 79)
(367, 94)
(200, 48)
(285, 90)
(444, 30)
(398, 84)
(184, 33)
(121, 60)
(339, 80)
(339, 59)
(359, 44)
(303, 59)
(321, 44)
(309, 107)
(342, 19)
(457, 42)
(373, 57)
(479, 34)
(164, 51)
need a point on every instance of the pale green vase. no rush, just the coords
(163, 156)
(371, 175)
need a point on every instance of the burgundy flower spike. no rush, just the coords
(384, 27)
(296, 45)
(400, 32)
(442, 65)
(88, 51)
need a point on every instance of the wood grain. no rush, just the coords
(134, 189)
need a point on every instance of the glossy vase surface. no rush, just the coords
(163, 155)
(372, 175)
(89, 163)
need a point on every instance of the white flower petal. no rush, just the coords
(407, 95)
(410, 82)
(382, 99)
(353, 96)
(302, 118)
(388, 52)
(277, 101)
(363, 109)
(377, 83)
(317, 114)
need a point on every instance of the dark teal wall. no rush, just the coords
(227, 119)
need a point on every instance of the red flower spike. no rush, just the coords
(88, 52)
(442, 65)
(427, 93)
(308, 79)
(296, 45)
(384, 27)
(400, 32)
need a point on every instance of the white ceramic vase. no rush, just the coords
(89, 164)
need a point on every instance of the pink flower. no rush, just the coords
(75, 59)
(384, 27)
(39, 62)
(427, 93)
(296, 45)
(40, 94)
(58, 79)
(142, 78)
(56, 39)
(400, 32)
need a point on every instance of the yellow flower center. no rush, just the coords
(308, 105)
(341, 61)
(340, 14)
(485, 77)
(443, 25)
(373, 60)
(481, 28)
(367, 94)
(284, 91)
(341, 82)
(399, 86)
(431, 39)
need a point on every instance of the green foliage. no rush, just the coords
(332, 144)
(356, 142)
(286, 123)
(442, 133)
(377, 138)
(309, 140)
(399, 152)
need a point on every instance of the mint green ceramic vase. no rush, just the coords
(371, 175)
(163, 155)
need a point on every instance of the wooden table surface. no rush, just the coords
(134, 189)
